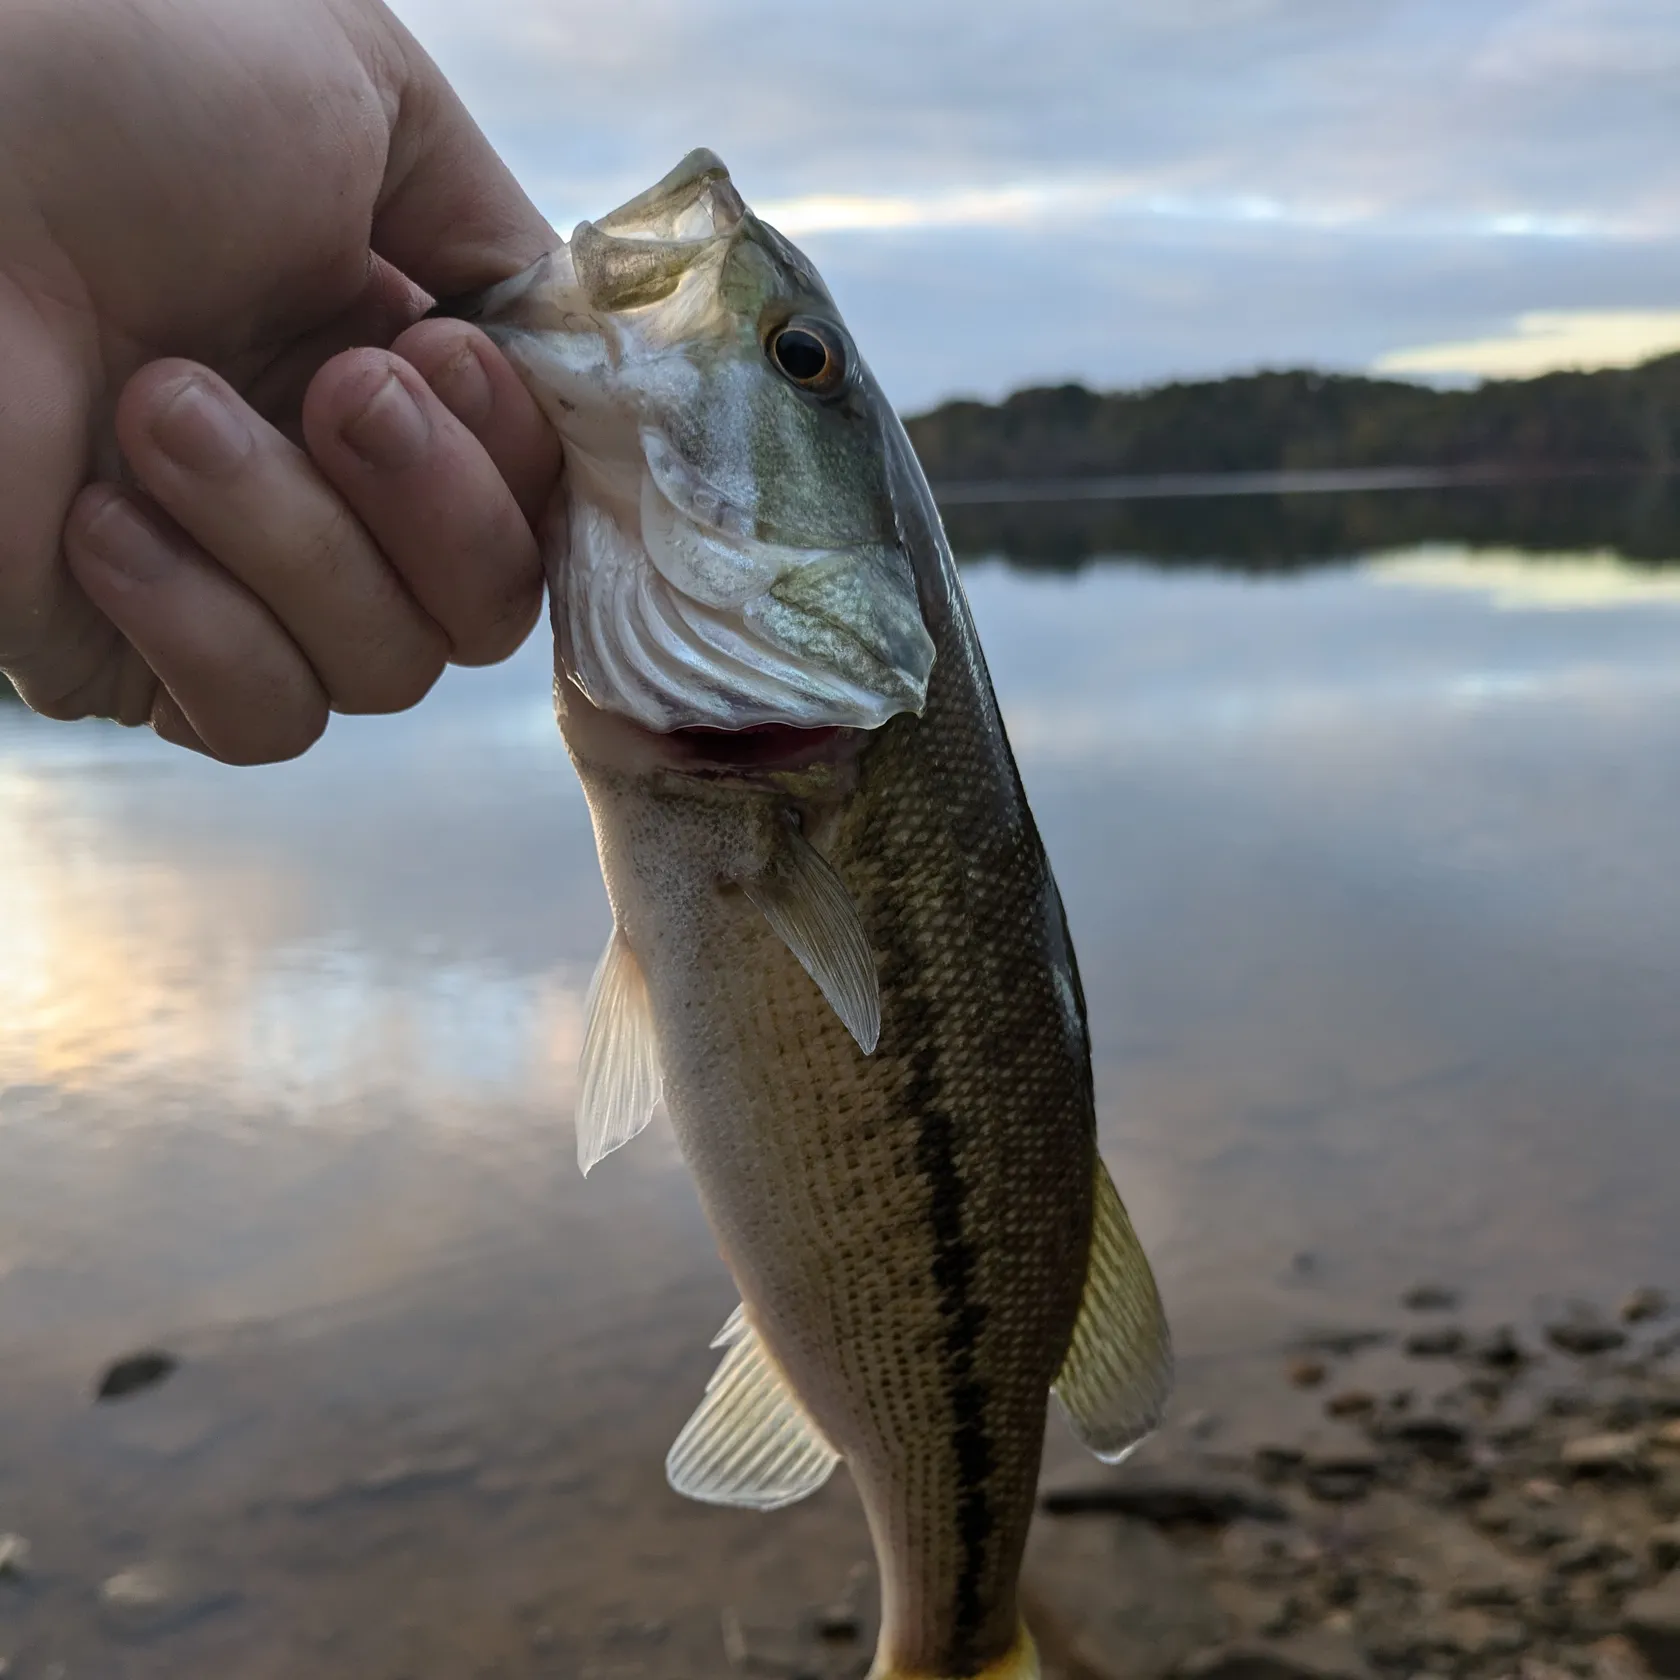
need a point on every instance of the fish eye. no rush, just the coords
(811, 355)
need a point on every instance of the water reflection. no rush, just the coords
(1638, 519)
(1369, 870)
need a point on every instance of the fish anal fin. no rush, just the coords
(749, 1442)
(808, 906)
(1117, 1375)
(619, 1081)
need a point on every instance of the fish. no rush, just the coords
(839, 959)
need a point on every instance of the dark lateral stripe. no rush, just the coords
(963, 1319)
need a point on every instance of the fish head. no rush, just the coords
(732, 556)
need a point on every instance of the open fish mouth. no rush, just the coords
(763, 749)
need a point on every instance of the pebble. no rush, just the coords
(1651, 1619)
(1667, 1435)
(1434, 1436)
(1602, 1455)
(134, 1373)
(1350, 1402)
(1323, 1654)
(1306, 1373)
(1584, 1337)
(149, 1597)
(1435, 1344)
(1644, 1304)
(1274, 1461)
(1501, 1349)
(14, 1557)
(1168, 1501)
(1429, 1297)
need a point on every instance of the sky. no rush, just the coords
(1002, 193)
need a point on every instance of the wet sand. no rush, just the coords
(1371, 884)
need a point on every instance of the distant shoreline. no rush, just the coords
(1300, 482)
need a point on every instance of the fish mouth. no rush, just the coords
(762, 747)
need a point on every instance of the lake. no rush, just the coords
(1364, 809)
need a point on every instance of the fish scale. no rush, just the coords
(838, 949)
(911, 1232)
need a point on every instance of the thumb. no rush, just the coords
(450, 214)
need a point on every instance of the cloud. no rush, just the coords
(1423, 170)
(1547, 340)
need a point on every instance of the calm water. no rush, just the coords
(1371, 868)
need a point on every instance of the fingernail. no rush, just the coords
(390, 431)
(117, 533)
(200, 431)
(463, 387)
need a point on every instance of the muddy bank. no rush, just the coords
(1423, 1495)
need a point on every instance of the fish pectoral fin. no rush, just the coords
(808, 906)
(1118, 1372)
(619, 1079)
(749, 1442)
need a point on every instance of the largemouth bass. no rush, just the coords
(838, 951)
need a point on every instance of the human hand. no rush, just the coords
(202, 204)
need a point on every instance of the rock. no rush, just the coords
(1615, 1658)
(1318, 1655)
(1350, 1402)
(1485, 1595)
(1442, 1343)
(154, 1597)
(1500, 1349)
(1168, 1501)
(14, 1557)
(1274, 1461)
(842, 1622)
(1664, 1545)
(1651, 1619)
(1644, 1304)
(1114, 1597)
(134, 1373)
(1429, 1297)
(1665, 1495)
(1583, 1554)
(1342, 1344)
(1340, 1466)
(1306, 1373)
(1667, 1435)
(1469, 1487)
(1584, 1336)
(1436, 1437)
(1603, 1455)
(412, 1474)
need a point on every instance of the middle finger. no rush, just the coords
(257, 505)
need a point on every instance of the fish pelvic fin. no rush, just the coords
(619, 1080)
(1118, 1372)
(750, 1442)
(1020, 1663)
(812, 913)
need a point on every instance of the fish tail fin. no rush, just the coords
(1020, 1662)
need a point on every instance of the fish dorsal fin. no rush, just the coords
(1118, 1372)
(619, 1080)
(749, 1442)
(814, 916)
